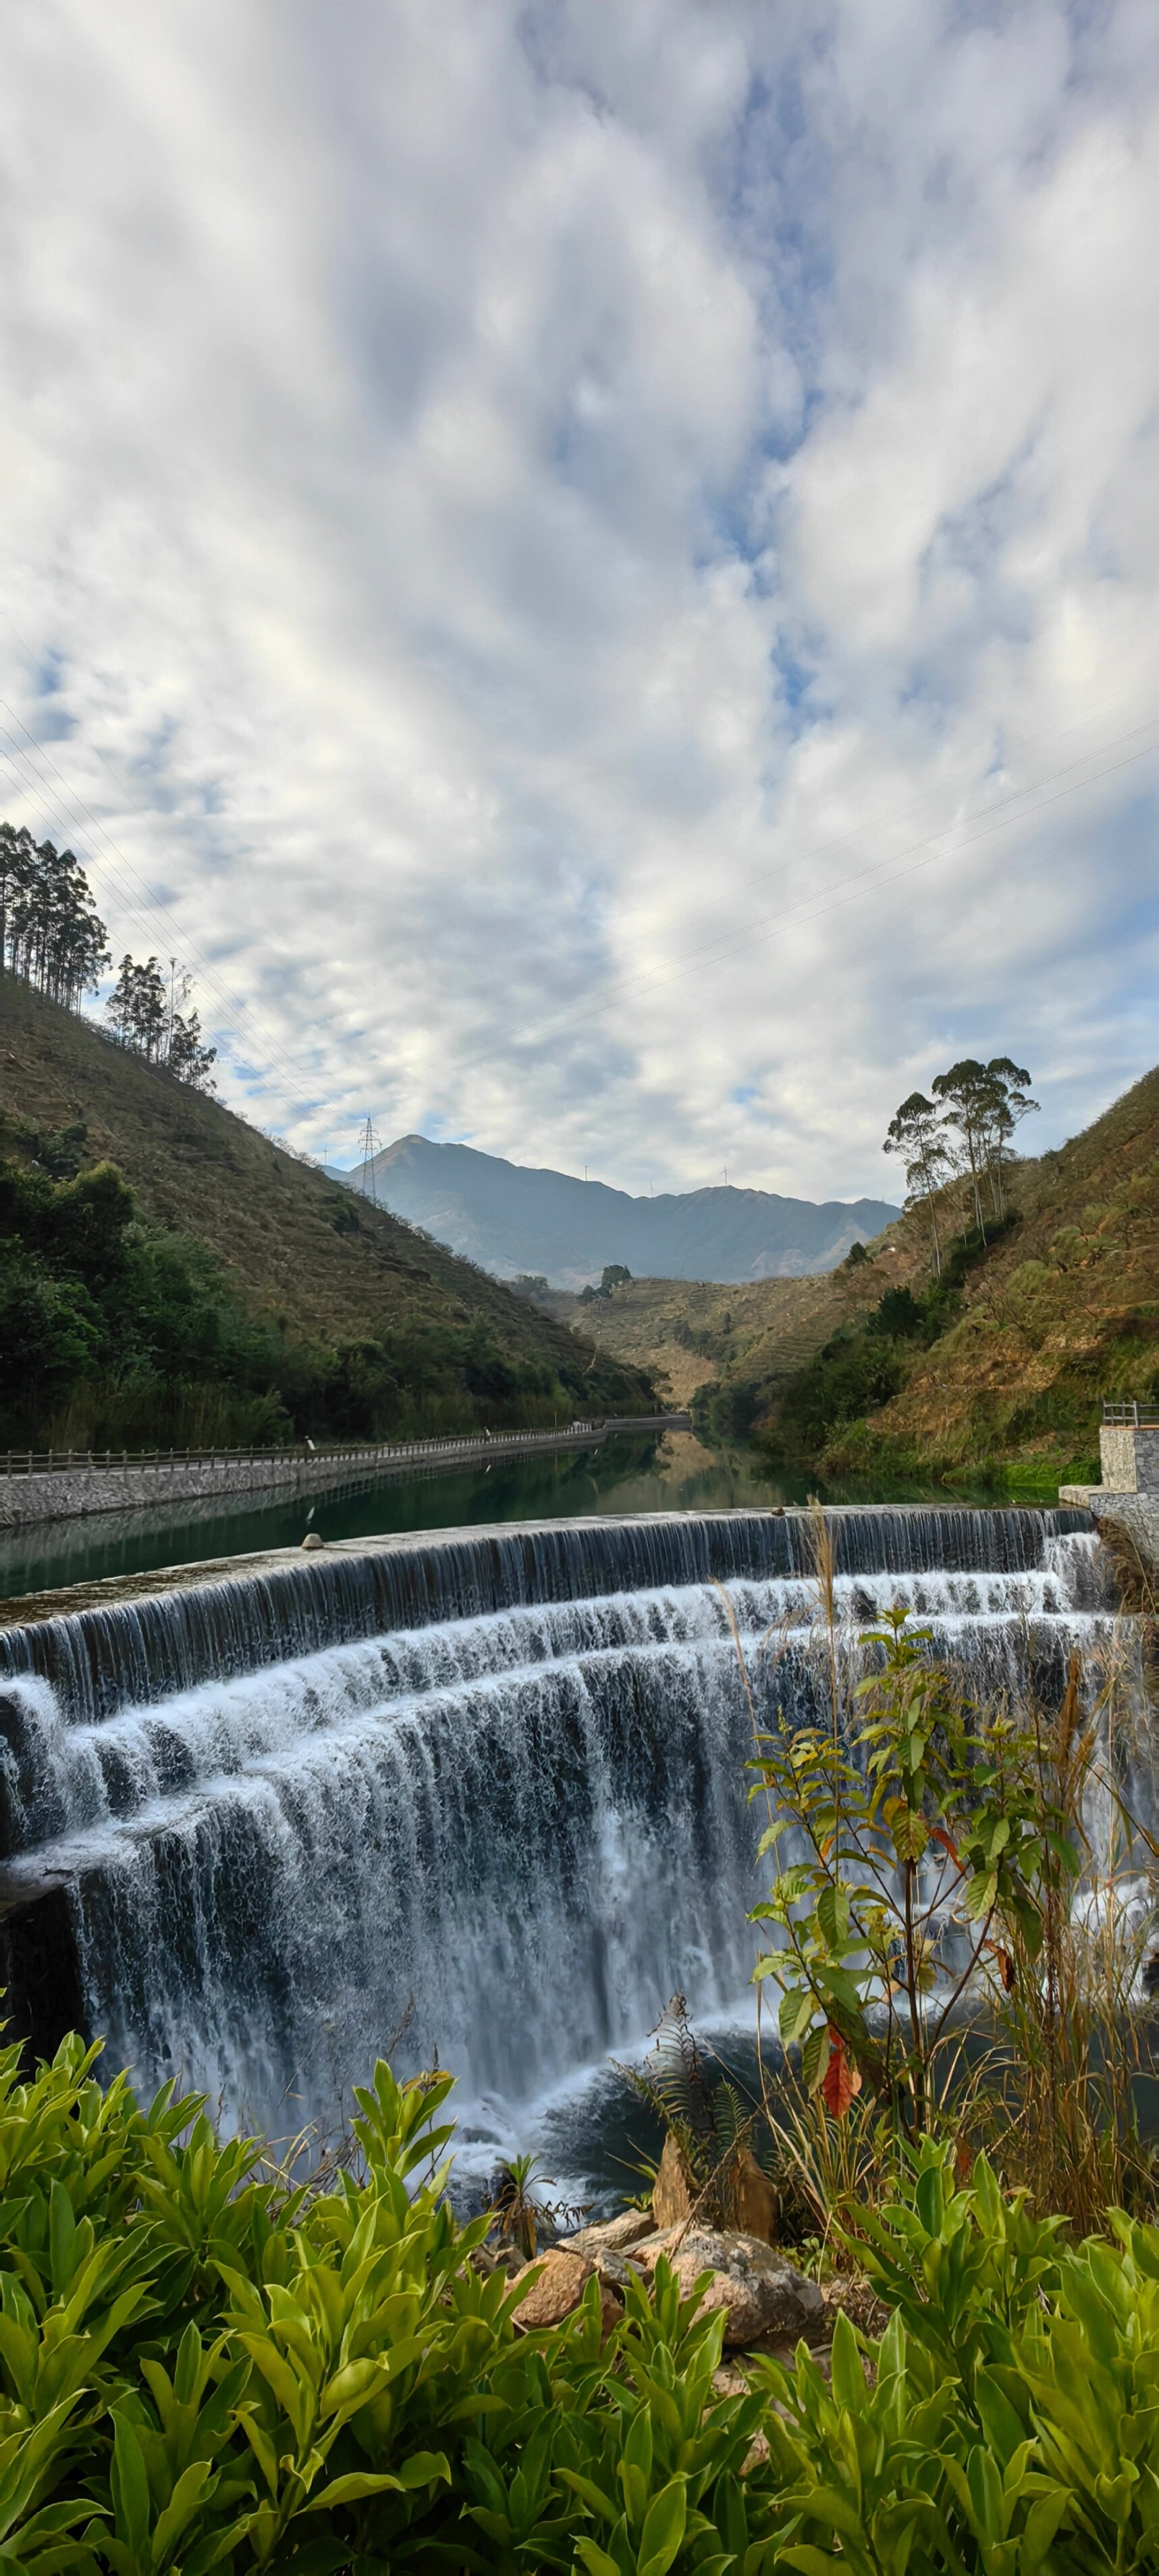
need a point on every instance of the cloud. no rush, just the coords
(602, 563)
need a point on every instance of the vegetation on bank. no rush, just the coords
(996, 1362)
(114, 1334)
(272, 1303)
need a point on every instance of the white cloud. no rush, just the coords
(511, 510)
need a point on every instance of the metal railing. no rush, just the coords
(46, 1462)
(1139, 1417)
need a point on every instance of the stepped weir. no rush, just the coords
(484, 1790)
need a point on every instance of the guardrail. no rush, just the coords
(1139, 1417)
(45, 1462)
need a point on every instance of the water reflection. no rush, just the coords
(636, 1473)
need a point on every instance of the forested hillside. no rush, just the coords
(238, 1293)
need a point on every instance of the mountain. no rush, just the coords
(354, 1298)
(515, 1220)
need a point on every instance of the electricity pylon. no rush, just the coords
(371, 1143)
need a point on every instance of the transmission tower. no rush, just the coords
(370, 1145)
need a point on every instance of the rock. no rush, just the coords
(761, 2293)
(855, 2297)
(613, 2235)
(563, 2278)
(611, 2310)
(613, 2271)
(757, 2207)
(313, 1538)
(671, 2191)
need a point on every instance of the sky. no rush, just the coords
(590, 571)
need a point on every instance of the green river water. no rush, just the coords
(640, 1472)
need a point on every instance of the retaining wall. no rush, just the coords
(1129, 1455)
(76, 1492)
(1137, 1514)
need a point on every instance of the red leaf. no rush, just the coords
(1005, 1965)
(939, 1835)
(842, 2082)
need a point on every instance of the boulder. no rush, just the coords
(548, 2299)
(760, 2293)
(672, 2190)
(613, 2235)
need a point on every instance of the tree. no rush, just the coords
(917, 1133)
(184, 1053)
(145, 1016)
(968, 1095)
(138, 1007)
(50, 932)
(1011, 1104)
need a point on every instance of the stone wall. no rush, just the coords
(1129, 1458)
(1135, 1514)
(69, 1493)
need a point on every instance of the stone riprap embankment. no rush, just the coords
(73, 1491)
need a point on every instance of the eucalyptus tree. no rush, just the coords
(967, 1094)
(185, 1054)
(145, 1016)
(50, 932)
(917, 1133)
(1012, 1103)
(138, 1007)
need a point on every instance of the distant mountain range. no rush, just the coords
(513, 1220)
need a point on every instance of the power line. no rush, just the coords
(57, 805)
(999, 815)
(849, 889)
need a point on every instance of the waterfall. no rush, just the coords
(483, 1794)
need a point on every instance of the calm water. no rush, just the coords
(639, 1473)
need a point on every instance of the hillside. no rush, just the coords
(694, 1334)
(514, 1220)
(1004, 1370)
(318, 1274)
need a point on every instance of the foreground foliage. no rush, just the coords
(200, 2368)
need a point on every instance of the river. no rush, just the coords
(635, 1473)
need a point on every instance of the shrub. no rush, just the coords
(204, 2367)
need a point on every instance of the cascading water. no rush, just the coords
(489, 1789)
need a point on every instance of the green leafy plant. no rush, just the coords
(917, 1820)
